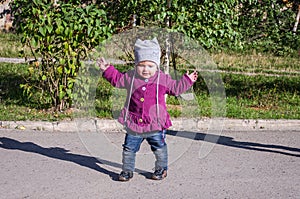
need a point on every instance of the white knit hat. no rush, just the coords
(147, 50)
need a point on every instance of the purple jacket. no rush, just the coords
(143, 115)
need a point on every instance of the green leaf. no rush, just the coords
(89, 30)
(60, 70)
(49, 28)
(42, 30)
(62, 94)
(34, 42)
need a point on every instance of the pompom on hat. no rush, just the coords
(147, 50)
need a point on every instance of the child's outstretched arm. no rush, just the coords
(102, 63)
(177, 87)
(111, 74)
(193, 76)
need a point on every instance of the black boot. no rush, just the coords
(125, 176)
(159, 174)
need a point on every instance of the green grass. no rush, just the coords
(256, 85)
(247, 97)
(262, 97)
(258, 63)
(10, 45)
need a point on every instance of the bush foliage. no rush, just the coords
(63, 33)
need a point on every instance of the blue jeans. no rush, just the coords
(132, 144)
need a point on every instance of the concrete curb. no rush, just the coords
(204, 124)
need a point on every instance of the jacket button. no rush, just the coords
(141, 120)
(143, 88)
(142, 99)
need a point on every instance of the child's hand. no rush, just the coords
(193, 76)
(103, 65)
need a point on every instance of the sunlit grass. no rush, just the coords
(250, 91)
(267, 97)
(257, 63)
(10, 45)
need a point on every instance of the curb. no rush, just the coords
(203, 124)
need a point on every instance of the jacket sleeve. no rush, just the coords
(177, 87)
(114, 77)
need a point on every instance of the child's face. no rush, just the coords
(146, 69)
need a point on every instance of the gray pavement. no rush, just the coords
(249, 159)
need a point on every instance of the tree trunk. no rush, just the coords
(167, 42)
(297, 20)
(167, 45)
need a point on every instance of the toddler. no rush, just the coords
(145, 115)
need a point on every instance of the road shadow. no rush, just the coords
(64, 154)
(60, 154)
(230, 142)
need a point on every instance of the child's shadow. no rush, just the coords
(231, 142)
(61, 154)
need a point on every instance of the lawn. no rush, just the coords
(256, 86)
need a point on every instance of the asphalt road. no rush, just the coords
(242, 164)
